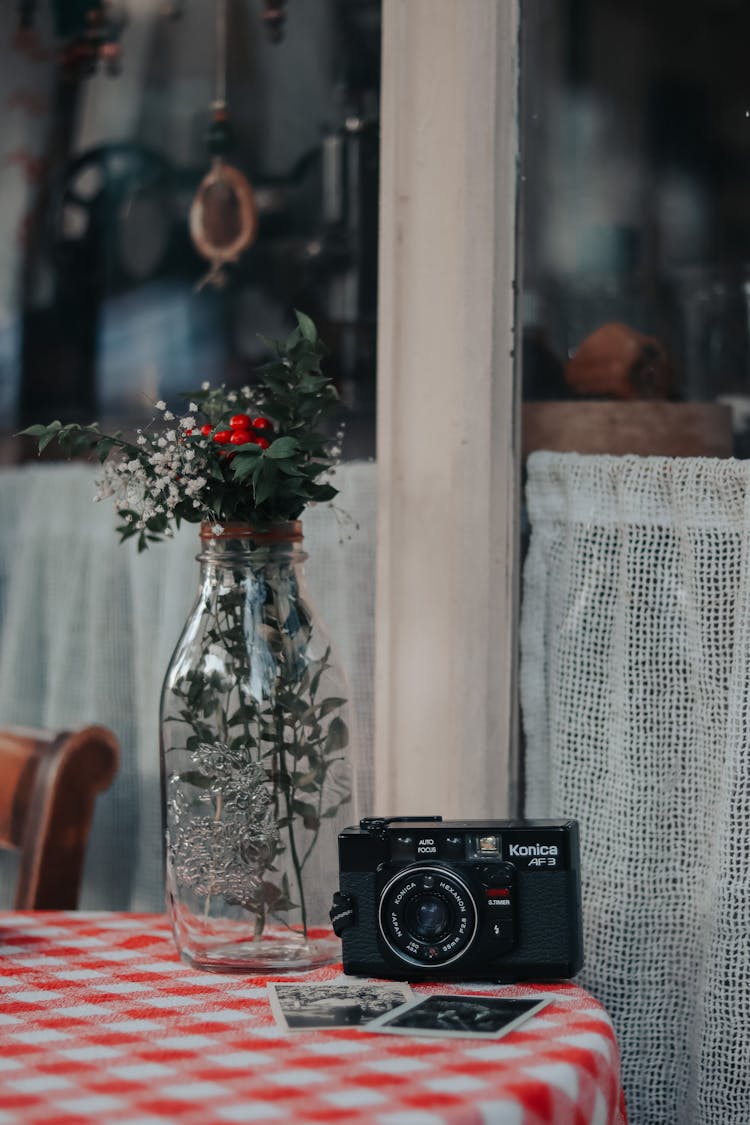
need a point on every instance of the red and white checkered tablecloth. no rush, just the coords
(100, 1022)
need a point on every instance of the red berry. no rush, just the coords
(241, 437)
(261, 441)
(206, 430)
(223, 437)
(188, 433)
(262, 424)
(239, 421)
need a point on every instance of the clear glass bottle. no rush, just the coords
(256, 777)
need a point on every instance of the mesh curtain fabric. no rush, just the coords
(87, 627)
(635, 666)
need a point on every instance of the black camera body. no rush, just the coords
(422, 898)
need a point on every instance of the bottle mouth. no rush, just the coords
(288, 532)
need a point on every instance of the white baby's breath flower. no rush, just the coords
(192, 406)
(104, 489)
(216, 529)
(171, 435)
(187, 423)
(206, 386)
(161, 404)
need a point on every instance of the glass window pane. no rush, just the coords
(636, 202)
(107, 303)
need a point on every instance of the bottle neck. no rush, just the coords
(239, 546)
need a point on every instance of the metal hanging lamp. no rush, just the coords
(223, 215)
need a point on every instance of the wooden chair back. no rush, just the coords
(49, 782)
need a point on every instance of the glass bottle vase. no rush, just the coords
(255, 765)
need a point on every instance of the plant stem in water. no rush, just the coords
(290, 816)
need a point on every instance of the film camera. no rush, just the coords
(464, 900)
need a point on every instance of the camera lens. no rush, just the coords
(427, 915)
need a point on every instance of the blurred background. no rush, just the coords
(636, 202)
(109, 128)
(634, 196)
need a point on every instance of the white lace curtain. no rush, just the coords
(87, 627)
(635, 677)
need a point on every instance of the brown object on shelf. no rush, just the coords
(13, 450)
(655, 429)
(617, 362)
(48, 787)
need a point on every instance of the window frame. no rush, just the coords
(448, 428)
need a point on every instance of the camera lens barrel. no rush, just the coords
(427, 915)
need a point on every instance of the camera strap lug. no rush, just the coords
(342, 913)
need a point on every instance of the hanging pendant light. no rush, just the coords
(223, 214)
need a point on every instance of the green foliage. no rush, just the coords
(179, 473)
(292, 736)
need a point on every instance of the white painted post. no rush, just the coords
(447, 410)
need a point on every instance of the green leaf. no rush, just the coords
(291, 470)
(307, 781)
(311, 383)
(263, 490)
(306, 327)
(32, 431)
(338, 735)
(278, 899)
(244, 463)
(322, 665)
(104, 447)
(323, 492)
(330, 704)
(272, 345)
(157, 524)
(309, 814)
(45, 441)
(281, 448)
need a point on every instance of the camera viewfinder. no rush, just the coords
(488, 846)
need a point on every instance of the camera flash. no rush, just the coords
(488, 844)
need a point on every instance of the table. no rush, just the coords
(100, 1022)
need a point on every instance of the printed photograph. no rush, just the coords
(304, 1007)
(459, 1016)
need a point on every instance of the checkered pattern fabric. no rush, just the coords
(100, 1022)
